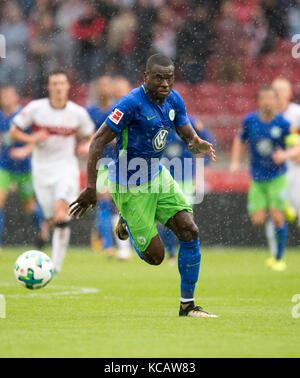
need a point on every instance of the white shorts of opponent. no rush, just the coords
(64, 185)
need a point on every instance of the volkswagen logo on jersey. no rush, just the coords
(159, 141)
(264, 147)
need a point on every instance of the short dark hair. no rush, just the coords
(8, 86)
(159, 59)
(266, 88)
(58, 71)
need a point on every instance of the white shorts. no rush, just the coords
(63, 187)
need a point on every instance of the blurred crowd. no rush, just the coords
(115, 37)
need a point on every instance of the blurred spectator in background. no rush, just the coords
(257, 31)
(146, 16)
(121, 86)
(294, 18)
(193, 45)
(88, 32)
(15, 31)
(40, 8)
(276, 15)
(229, 47)
(181, 9)
(49, 49)
(121, 42)
(68, 13)
(164, 33)
(115, 37)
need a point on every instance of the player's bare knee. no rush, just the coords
(154, 257)
(28, 206)
(258, 219)
(188, 230)
(278, 219)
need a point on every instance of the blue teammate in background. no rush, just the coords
(15, 166)
(105, 215)
(266, 132)
(177, 148)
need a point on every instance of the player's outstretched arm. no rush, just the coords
(280, 156)
(88, 197)
(236, 152)
(21, 153)
(195, 144)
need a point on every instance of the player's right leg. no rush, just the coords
(61, 234)
(5, 183)
(55, 209)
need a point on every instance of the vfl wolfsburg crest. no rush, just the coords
(159, 141)
(172, 114)
(276, 132)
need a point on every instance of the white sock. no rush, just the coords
(60, 243)
(271, 237)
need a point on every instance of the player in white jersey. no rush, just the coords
(53, 126)
(291, 112)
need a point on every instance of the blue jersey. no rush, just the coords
(176, 148)
(264, 139)
(142, 127)
(99, 116)
(6, 162)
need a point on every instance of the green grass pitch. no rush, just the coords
(106, 308)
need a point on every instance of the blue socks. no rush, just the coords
(189, 258)
(281, 237)
(1, 227)
(103, 223)
(37, 218)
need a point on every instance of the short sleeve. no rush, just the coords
(24, 119)
(244, 133)
(121, 116)
(181, 117)
(86, 126)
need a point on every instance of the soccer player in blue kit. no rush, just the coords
(266, 131)
(141, 122)
(15, 168)
(105, 216)
(98, 113)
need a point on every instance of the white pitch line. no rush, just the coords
(72, 291)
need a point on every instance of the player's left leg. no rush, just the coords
(189, 259)
(174, 212)
(61, 233)
(277, 198)
(281, 232)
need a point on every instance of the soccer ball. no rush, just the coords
(34, 269)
